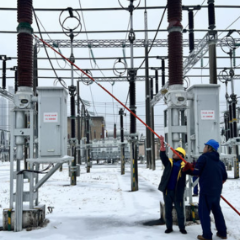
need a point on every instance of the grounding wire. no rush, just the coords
(160, 23)
(86, 33)
(36, 19)
(230, 25)
(51, 39)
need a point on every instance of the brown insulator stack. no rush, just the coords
(25, 44)
(175, 52)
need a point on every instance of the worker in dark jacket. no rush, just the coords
(173, 185)
(212, 174)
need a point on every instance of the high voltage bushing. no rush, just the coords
(24, 13)
(4, 58)
(132, 98)
(72, 90)
(25, 43)
(191, 25)
(211, 14)
(156, 78)
(191, 33)
(175, 42)
(234, 117)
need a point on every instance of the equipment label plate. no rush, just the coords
(50, 117)
(207, 114)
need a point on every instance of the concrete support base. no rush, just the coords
(31, 218)
(190, 214)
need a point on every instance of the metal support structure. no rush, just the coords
(147, 96)
(132, 95)
(153, 162)
(72, 91)
(117, 43)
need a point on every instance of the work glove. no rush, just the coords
(188, 166)
(162, 146)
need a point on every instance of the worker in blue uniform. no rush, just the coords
(172, 185)
(212, 174)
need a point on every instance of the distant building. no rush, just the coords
(96, 123)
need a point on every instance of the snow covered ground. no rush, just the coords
(102, 206)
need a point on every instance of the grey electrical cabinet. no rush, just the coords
(52, 122)
(202, 117)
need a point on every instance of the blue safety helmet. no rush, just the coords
(214, 144)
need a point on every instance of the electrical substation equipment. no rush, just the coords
(202, 117)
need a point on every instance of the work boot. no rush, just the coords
(183, 231)
(200, 237)
(220, 236)
(168, 230)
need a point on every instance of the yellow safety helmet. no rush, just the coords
(181, 150)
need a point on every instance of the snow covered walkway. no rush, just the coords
(102, 207)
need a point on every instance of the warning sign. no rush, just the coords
(50, 117)
(207, 114)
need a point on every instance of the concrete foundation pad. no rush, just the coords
(191, 212)
(31, 217)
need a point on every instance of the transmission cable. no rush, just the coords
(160, 23)
(36, 19)
(229, 25)
(84, 25)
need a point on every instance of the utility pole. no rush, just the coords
(132, 75)
(147, 95)
(72, 90)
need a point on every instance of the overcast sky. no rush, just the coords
(116, 20)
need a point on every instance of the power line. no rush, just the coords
(159, 25)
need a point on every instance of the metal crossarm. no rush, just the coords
(118, 43)
(6, 94)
